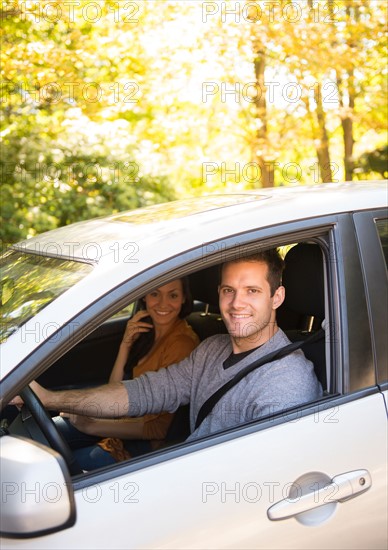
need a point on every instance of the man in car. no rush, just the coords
(250, 292)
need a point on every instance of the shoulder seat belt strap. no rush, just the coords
(209, 404)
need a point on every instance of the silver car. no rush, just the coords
(308, 477)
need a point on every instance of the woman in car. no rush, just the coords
(155, 337)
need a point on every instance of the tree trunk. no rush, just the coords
(322, 140)
(346, 114)
(260, 146)
(347, 111)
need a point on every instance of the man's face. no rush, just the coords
(246, 304)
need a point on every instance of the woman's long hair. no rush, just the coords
(144, 343)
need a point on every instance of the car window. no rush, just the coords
(30, 282)
(127, 311)
(382, 228)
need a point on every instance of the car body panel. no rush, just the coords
(198, 501)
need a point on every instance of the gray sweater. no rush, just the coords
(273, 387)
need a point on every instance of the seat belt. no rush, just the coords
(209, 404)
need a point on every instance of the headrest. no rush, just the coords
(204, 285)
(303, 280)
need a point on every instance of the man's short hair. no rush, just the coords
(272, 259)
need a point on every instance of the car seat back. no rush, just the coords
(303, 279)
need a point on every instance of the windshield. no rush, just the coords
(29, 283)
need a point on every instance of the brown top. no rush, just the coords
(177, 344)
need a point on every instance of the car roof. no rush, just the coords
(93, 240)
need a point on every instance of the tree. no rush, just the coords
(65, 105)
(375, 162)
(109, 105)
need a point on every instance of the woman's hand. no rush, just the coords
(135, 326)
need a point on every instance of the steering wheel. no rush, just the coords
(40, 416)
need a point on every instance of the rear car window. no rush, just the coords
(382, 228)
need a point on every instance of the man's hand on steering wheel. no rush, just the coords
(29, 399)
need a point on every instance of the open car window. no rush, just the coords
(90, 362)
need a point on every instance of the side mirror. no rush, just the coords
(36, 491)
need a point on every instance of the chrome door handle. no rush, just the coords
(341, 488)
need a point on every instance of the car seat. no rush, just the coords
(206, 319)
(303, 279)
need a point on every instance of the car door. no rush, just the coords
(308, 480)
(311, 477)
(219, 496)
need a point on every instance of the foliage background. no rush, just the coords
(111, 105)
